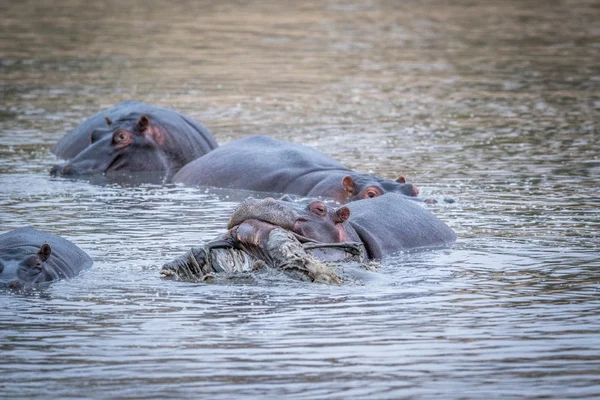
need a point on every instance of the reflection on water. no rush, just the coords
(495, 106)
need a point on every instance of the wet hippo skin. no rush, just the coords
(384, 225)
(298, 237)
(132, 137)
(29, 257)
(262, 163)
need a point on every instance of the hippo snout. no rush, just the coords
(55, 170)
(15, 285)
(61, 170)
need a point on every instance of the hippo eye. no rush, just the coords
(121, 138)
(371, 194)
(318, 208)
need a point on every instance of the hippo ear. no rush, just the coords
(342, 214)
(108, 120)
(348, 185)
(286, 197)
(401, 179)
(143, 123)
(45, 251)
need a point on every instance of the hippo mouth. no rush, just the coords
(14, 285)
(84, 168)
(57, 170)
(67, 169)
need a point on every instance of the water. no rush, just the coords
(496, 106)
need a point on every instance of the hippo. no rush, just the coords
(264, 164)
(373, 228)
(132, 137)
(384, 225)
(29, 257)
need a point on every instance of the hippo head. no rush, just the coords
(131, 144)
(311, 220)
(32, 269)
(363, 186)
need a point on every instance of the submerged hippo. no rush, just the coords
(384, 225)
(132, 137)
(380, 227)
(264, 164)
(29, 257)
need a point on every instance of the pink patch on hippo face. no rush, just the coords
(157, 135)
(343, 234)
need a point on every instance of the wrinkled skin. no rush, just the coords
(385, 225)
(231, 255)
(130, 138)
(261, 163)
(29, 257)
(312, 220)
(297, 237)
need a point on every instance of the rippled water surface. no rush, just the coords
(495, 105)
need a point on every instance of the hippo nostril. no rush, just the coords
(415, 190)
(14, 285)
(61, 170)
(55, 170)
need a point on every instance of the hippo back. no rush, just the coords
(66, 259)
(258, 163)
(196, 136)
(391, 223)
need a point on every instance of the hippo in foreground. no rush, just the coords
(132, 137)
(29, 257)
(264, 164)
(373, 229)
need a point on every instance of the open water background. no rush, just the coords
(495, 104)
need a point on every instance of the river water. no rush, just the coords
(494, 104)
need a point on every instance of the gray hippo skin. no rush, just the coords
(132, 137)
(304, 238)
(29, 257)
(261, 163)
(384, 225)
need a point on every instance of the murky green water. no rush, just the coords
(494, 104)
